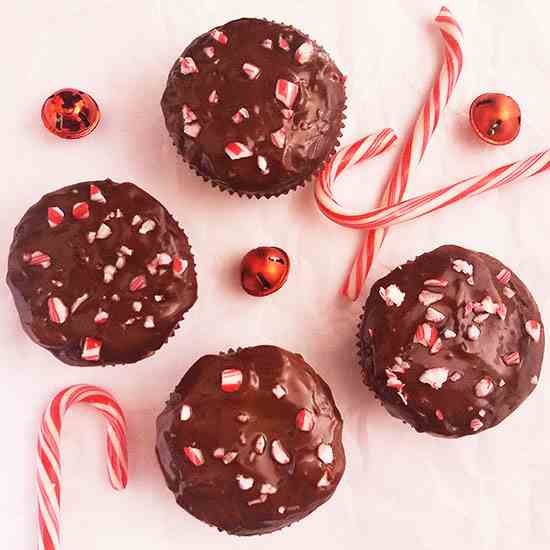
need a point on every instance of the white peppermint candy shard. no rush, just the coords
(393, 381)
(194, 455)
(219, 452)
(103, 232)
(136, 219)
(268, 489)
(305, 420)
(147, 226)
(435, 377)
(488, 305)
(324, 481)
(473, 332)
(534, 380)
(91, 349)
(209, 51)
(101, 317)
(188, 114)
(57, 310)
(236, 151)
(283, 43)
(508, 292)
(149, 322)
(241, 114)
(533, 329)
(55, 216)
(188, 65)
(484, 387)
(192, 130)
(278, 138)
(502, 311)
(108, 273)
(245, 483)
(476, 424)
(278, 391)
(440, 283)
(437, 345)
(427, 298)
(213, 97)
(392, 295)
(219, 36)
(231, 380)
(185, 413)
(229, 457)
(482, 413)
(504, 276)
(260, 444)
(90, 236)
(79, 301)
(434, 315)
(455, 377)
(462, 266)
(286, 92)
(325, 454)
(262, 165)
(96, 195)
(252, 71)
(267, 43)
(279, 453)
(164, 258)
(304, 53)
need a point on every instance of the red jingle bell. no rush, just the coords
(70, 113)
(264, 270)
(495, 118)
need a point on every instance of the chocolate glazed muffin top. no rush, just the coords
(451, 342)
(255, 106)
(251, 441)
(101, 274)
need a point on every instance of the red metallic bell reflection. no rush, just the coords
(70, 113)
(496, 118)
(264, 270)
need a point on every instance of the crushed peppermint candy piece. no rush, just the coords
(455, 376)
(440, 283)
(482, 413)
(236, 151)
(508, 292)
(79, 301)
(473, 332)
(108, 273)
(185, 415)
(163, 258)
(325, 454)
(286, 92)
(260, 444)
(427, 297)
(136, 219)
(57, 310)
(484, 387)
(267, 43)
(219, 36)
(283, 43)
(243, 418)
(278, 391)
(209, 51)
(434, 315)
(147, 226)
(241, 114)
(476, 424)
(194, 455)
(179, 266)
(435, 377)
(55, 216)
(213, 97)
(149, 322)
(120, 262)
(287, 113)
(268, 489)
(462, 266)
(278, 138)
(470, 281)
(305, 420)
(392, 295)
(229, 457)
(90, 236)
(231, 380)
(393, 381)
(481, 318)
(252, 71)
(218, 453)
(488, 305)
(139, 282)
(91, 349)
(426, 335)
(279, 453)
(38, 258)
(81, 211)
(126, 251)
(96, 195)
(101, 317)
(502, 311)
(533, 329)
(438, 344)
(245, 483)
(324, 481)
(262, 165)
(187, 114)
(103, 232)
(513, 358)
(439, 414)
(400, 365)
(501, 383)
(260, 500)
(304, 52)
(504, 276)
(534, 380)
(188, 65)
(192, 130)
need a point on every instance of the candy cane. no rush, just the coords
(414, 147)
(49, 467)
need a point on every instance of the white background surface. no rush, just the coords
(401, 489)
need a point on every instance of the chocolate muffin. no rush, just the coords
(452, 342)
(101, 274)
(255, 107)
(250, 441)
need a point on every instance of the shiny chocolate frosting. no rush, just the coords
(100, 273)
(250, 441)
(254, 106)
(452, 342)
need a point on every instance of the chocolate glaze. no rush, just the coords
(312, 131)
(211, 491)
(459, 407)
(73, 279)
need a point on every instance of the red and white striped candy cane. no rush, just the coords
(414, 147)
(49, 466)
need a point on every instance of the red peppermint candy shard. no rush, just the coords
(241, 114)
(504, 276)
(278, 138)
(188, 65)
(236, 151)
(426, 335)
(55, 216)
(513, 358)
(476, 424)
(101, 317)
(287, 113)
(232, 380)
(304, 53)
(187, 114)
(286, 92)
(38, 258)
(96, 195)
(533, 329)
(81, 211)
(484, 387)
(440, 283)
(502, 311)
(179, 266)
(213, 97)
(267, 43)
(305, 420)
(219, 36)
(209, 51)
(194, 455)
(435, 377)
(57, 310)
(91, 349)
(139, 282)
(251, 71)
(279, 453)
(283, 43)
(438, 344)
